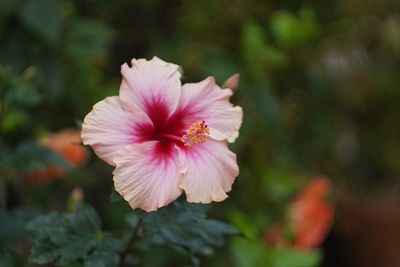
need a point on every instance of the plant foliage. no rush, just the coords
(183, 226)
(64, 238)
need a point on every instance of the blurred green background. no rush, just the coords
(319, 87)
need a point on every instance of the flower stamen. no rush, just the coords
(197, 134)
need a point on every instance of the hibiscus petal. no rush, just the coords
(152, 85)
(207, 101)
(209, 170)
(147, 175)
(111, 125)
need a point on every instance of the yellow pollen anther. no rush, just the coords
(197, 134)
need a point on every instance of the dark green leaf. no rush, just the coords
(183, 226)
(88, 39)
(12, 224)
(18, 89)
(43, 17)
(7, 7)
(104, 255)
(292, 31)
(115, 196)
(63, 238)
(249, 253)
(296, 258)
(8, 257)
(30, 156)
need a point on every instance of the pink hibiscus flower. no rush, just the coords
(165, 138)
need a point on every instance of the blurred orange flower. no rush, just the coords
(310, 217)
(67, 143)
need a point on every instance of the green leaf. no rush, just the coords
(12, 232)
(8, 257)
(29, 156)
(244, 223)
(12, 120)
(296, 258)
(104, 255)
(115, 196)
(88, 39)
(249, 253)
(183, 226)
(254, 42)
(23, 93)
(7, 7)
(64, 238)
(291, 31)
(18, 89)
(259, 52)
(43, 17)
(13, 223)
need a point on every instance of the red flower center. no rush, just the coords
(171, 129)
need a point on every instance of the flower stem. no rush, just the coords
(3, 194)
(2, 112)
(135, 236)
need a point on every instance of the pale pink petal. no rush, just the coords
(111, 125)
(152, 85)
(207, 101)
(147, 175)
(232, 82)
(209, 170)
